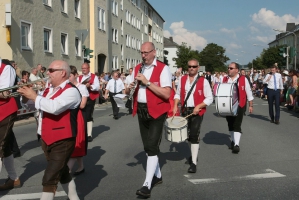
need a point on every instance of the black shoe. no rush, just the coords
(276, 122)
(192, 168)
(236, 149)
(16, 154)
(90, 139)
(156, 181)
(79, 172)
(272, 120)
(115, 117)
(144, 191)
(232, 144)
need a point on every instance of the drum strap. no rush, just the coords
(185, 103)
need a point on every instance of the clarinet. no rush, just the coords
(136, 83)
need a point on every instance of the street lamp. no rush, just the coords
(295, 43)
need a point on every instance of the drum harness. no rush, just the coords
(183, 110)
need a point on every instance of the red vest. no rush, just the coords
(241, 88)
(92, 94)
(59, 127)
(155, 105)
(7, 106)
(198, 95)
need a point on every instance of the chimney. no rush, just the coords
(290, 27)
(170, 38)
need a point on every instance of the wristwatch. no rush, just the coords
(148, 84)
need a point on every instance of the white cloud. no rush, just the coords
(268, 18)
(234, 46)
(181, 34)
(166, 33)
(263, 39)
(229, 32)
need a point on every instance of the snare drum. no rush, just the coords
(176, 129)
(227, 99)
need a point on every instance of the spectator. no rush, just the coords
(292, 88)
(33, 76)
(42, 71)
(39, 73)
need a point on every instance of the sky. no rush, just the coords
(236, 25)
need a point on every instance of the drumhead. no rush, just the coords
(176, 122)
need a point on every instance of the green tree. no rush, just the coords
(213, 58)
(184, 54)
(271, 56)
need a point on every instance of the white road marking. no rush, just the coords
(29, 196)
(269, 174)
(100, 109)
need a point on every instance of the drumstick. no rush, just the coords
(188, 116)
(172, 118)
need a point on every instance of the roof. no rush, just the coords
(168, 42)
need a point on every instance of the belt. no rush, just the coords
(273, 89)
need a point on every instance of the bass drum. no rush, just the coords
(227, 99)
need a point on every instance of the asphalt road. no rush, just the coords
(265, 168)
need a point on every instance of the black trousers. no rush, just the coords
(6, 137)
(194, 124)
(235, 122)
(115, 109)
(88, 110)
(274, 96)
(150, 129)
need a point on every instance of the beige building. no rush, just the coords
(43, 31)
(118, 28)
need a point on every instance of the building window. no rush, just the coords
(47, 2)
(114, 7)
(77, 8)
(114, 35)
(63, 6)
(101, 19)
(78, 46)
(122, 27)
(122, 4)
(64, 43)
(26, 36)
(47, 40)
(114, 62)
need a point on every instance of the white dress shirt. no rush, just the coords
(279, 84)
(96, 83)
(247, 87)
(119, 85)
(128, 80)
(8, 76)
(69, 99)
(32, 77)
(165, 79)
(190, 102)
(83, 90)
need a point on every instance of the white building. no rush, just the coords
(171, 47)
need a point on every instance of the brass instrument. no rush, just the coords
(34, 85)
(136, 83)
(86, 81)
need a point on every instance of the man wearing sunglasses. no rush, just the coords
(59, 106)
(151, 103)
(200, 97)
(93, 85)
(245, 93)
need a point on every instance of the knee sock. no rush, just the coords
(158, 171)
(80, 163)
(70, 190)
(151, 166)
(10, 167)
(71, 163)
(1, 163)
(194, 152)
(237, 136)
(89, 129)
(232, 135)
(47, 196)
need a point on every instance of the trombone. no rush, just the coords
(34, 87)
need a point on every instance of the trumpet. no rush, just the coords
(34, 85)
(132, 91)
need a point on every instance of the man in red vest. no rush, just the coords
(151, 103)
(93, 85)
(245, 93)
(200, 97)
(59, 107)
(8, 114)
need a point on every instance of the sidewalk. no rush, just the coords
(30, 120)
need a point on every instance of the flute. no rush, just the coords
(136, 83)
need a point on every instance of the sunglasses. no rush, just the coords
(195, 66)
(51, 70)
(146, 52)
(231, 68)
